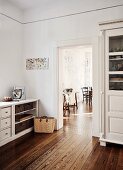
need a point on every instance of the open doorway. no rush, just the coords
(75, 82)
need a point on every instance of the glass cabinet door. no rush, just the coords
(116, 63)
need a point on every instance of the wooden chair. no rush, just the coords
(69, 100)
(90, 96)
(66, 106)
(85, 93)
(76, 100)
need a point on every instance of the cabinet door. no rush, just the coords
(114, 85)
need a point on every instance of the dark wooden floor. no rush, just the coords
(71, 148)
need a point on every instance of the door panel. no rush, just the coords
(115, 103)
(116, 125)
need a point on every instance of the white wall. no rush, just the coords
(11, 65)
(42, 38)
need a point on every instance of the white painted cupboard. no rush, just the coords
(111, 82)
(16, 119)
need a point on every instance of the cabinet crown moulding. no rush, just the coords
(111, 22)
(109, 25)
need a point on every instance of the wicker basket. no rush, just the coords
(44, 124)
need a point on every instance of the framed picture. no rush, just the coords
(37, 63)
(19, 93)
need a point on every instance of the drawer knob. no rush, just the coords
(6, 112)
(6, 122)
(6, 133)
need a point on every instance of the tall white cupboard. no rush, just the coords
(111, 82)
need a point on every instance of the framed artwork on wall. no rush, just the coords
(37, 63)
(18, 93)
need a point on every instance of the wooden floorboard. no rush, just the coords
(35, 152)
(83, 160)
(71, 148)
(120, 160)
(62, 160)
(113, 159)
(52, 151)
(53, 155)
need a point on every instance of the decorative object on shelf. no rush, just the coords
(120, 67)
(116, 63)
(18, 93)
(7, 99)
(37, 63)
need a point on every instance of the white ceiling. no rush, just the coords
(26, 4)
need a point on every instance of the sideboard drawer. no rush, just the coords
(5, 134)
(5, 123)
(5, 112)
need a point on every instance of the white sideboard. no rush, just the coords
(16, 119)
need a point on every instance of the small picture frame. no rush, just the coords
(18, 93)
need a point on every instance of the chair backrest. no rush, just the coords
(69, 97)
(68, 91)
(91, 91)
(66, 98)
(90, 88)
(84, 90)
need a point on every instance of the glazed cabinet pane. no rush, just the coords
(116, 82)
(116, 43)
(116, 63)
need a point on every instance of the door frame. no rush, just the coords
(87, 41)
